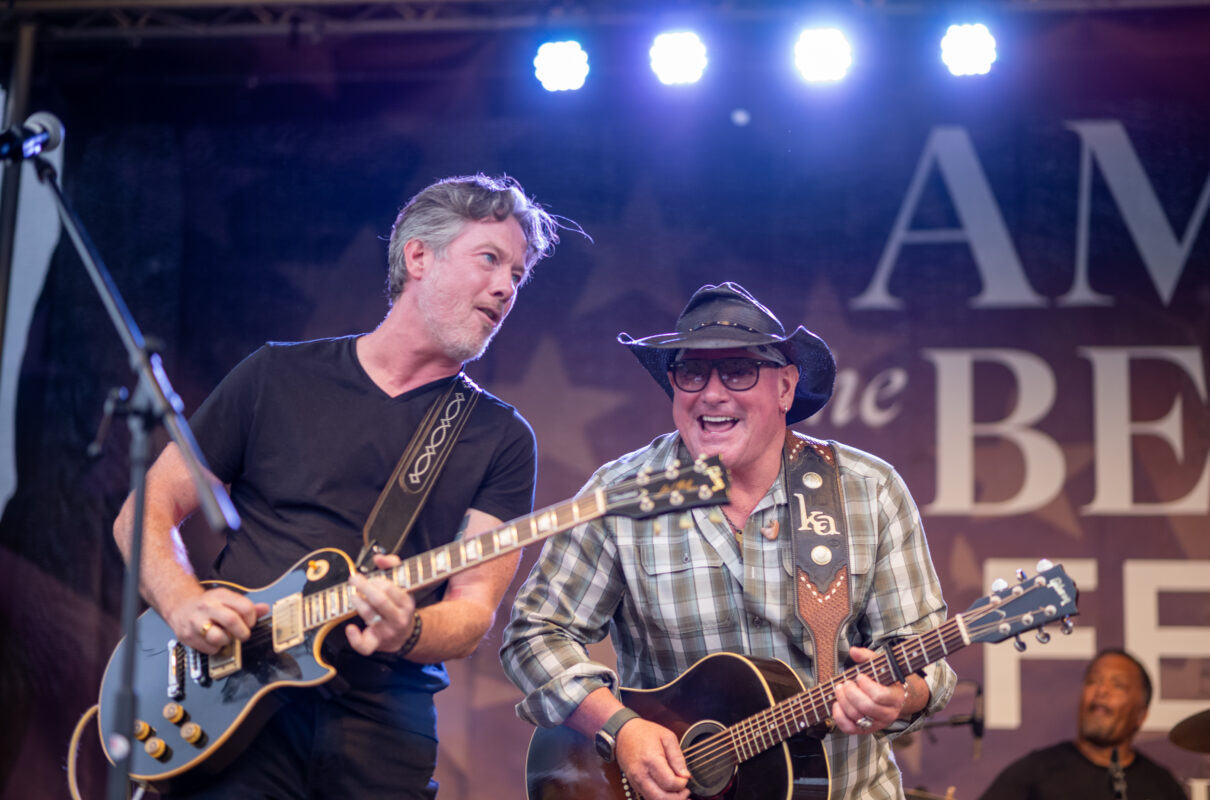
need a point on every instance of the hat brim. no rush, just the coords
(808, 352)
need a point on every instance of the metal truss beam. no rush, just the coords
(159, 19)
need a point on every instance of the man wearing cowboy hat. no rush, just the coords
(670, 594)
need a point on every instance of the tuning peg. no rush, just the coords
(1042, 636)
(1045, 564)
(1020, 574)
(1018, 644)
(999, 585)
(1066, 625)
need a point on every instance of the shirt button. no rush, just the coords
(756, 622)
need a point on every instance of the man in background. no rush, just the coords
(1101, 762)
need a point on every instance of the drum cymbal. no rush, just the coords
(1193, 733)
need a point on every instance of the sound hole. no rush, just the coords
(711, 761)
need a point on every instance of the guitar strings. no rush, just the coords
(583, 509)
(786, 718)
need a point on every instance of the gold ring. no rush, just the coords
(206, 628)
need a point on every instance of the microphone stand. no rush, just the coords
(973, 719)
(154, 402)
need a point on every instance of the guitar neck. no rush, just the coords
(993, 618)
(811, 708)
(438, 564)
(676, 488)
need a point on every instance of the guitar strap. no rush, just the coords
(820, 539)
(399, 504)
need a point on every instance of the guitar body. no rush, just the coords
(230, 709)
(718, 691)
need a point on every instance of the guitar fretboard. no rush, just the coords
(811, 708)
(440, 563)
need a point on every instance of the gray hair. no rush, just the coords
(437, 215)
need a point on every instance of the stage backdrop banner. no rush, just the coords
(1012, 270)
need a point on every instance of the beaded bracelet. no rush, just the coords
(414, 637)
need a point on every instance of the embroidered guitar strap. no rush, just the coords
(399, 504)
(820, 538)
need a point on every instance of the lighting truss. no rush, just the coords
(143, 19)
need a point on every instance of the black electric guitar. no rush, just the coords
(194, 712)
(735, 716)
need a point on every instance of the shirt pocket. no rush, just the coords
(684, 587)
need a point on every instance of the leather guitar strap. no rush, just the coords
(820, 539)
(399, 504)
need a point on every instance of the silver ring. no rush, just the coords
(377, 618)
(865, 723)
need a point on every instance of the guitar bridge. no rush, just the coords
(176, 670)
(198, 671)
(287, 618)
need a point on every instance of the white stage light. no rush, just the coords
(968, 49)
(823, 54)
(561, 66)
(678, 57)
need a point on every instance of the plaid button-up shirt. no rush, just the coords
(669, 595)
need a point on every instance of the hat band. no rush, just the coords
(696, 328)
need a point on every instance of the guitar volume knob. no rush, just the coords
(191, 732)
(174, 712)
(141, 730)
(157, 748)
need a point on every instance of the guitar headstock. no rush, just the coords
(1012, 610)
(680, 487)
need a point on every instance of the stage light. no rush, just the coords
(822, 55)
(678, 57)
(968, 49)
(561, 66)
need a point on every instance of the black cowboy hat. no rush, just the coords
(725, 316)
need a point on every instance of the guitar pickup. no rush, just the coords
(226, 661)
(288, 627)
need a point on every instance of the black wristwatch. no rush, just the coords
(607, 737)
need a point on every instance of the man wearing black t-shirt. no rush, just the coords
(305, 436)
(1102, 761)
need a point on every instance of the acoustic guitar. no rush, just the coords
(748, 728)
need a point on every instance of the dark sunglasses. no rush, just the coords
(737, 374)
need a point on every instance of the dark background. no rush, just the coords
(241, 190)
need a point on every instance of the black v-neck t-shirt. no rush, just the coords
(306, 441)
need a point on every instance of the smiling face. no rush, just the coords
(745, 428)
(465, 294)
(1113, 703)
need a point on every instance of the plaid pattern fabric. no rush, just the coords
(673, 589)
